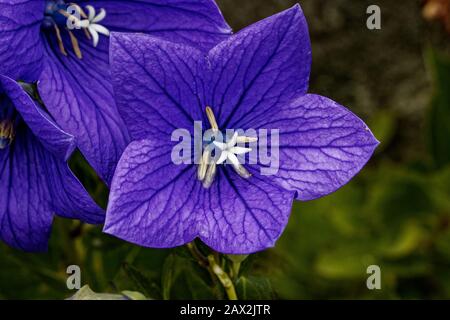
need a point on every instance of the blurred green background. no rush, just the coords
(394, 214)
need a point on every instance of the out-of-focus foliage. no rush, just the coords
(439, 126)
(395, 214)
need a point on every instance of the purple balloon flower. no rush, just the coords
(256, 79)
(35, 180)
(65, 45)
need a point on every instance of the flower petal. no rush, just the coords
(155, 84)
(78, 94)
(34, 184)
(322, 145)
(259, 68)
(243, 216)
(66, 194)
(152, 202)
(21, 50)
(58, 142)
(195, 22)
(25, 211)
(69, 199)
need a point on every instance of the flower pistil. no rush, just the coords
(71, 16)
(217, 153)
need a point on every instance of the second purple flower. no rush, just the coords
(65, 45)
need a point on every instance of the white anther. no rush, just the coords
(210, 175)
(205, 160)
(240, 169)
(243, 139)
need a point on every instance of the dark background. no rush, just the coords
(395, 214)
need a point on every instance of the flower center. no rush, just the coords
(8, 120)
(70, 17)
(221, 153)
(6, 133)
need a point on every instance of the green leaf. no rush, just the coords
(254, 288)
(85, 293)
(134, 295)
(198, 286)
(170, 273)
(141, 280)
(443, 246)
(398, 195)
(441, 188)
(184, 279)
(344, 264)
(407, 242)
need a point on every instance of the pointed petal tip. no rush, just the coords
(72, 145)
(295, 9)
(372, 138)
(225, 28)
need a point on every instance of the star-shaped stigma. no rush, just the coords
(229, 152)
(91, 23)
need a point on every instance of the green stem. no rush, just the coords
(236, 261)
(223, 278)
(235, 267)
(197, 254)
(203, 262)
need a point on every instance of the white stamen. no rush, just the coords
(210, 175)
(243, 139)
(205, 160)
(212, 119)
(229, 150)
(240, 169)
